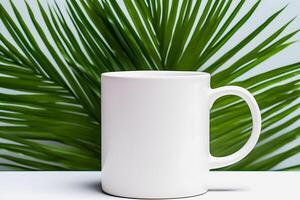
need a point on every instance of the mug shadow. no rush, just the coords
(93, 187)
(96, 187)
(228, 190)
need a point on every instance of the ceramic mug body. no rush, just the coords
(155, 133)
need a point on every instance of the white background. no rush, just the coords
(86, 186)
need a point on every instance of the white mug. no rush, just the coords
(155, 133)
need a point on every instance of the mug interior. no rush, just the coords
(155, 74)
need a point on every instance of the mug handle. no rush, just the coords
(217, 162)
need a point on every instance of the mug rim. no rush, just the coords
(143, 74)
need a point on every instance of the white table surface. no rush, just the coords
(86, 186)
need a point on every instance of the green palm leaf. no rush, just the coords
(50, 96)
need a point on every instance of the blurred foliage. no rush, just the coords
(50, 76)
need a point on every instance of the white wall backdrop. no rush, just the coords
(265, 10)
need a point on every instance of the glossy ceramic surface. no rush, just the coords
(155, 133)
